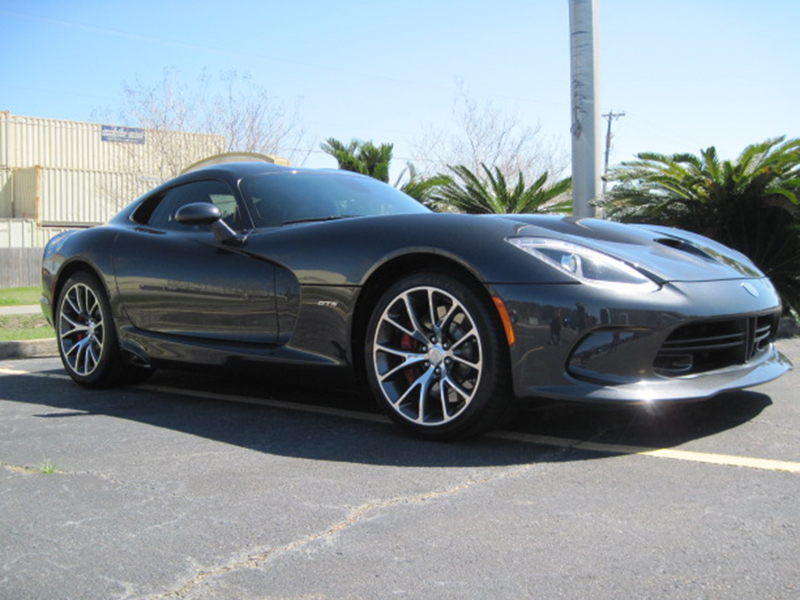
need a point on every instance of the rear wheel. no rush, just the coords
(436, 357)
(87, 338)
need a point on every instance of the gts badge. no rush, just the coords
(328, 303)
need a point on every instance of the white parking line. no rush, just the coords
(670, 453)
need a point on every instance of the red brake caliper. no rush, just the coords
(407, 343)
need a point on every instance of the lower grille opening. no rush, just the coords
(708, 345)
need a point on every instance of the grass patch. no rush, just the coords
(24, 327)
(19, 296)
(44, 467)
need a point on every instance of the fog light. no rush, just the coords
(675, 364)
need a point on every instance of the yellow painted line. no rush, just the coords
(725, 459)
(729, 460)
(543, 440)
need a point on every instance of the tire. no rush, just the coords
(87, 337)
(437, 358)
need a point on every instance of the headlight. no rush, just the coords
(586, 265)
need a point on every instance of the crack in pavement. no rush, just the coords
(42, 469)
(357, 515)
(37, 470)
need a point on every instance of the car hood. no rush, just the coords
(665, 254)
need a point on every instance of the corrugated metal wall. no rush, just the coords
(67, 172)
(55, 174)
(57, 144)
(6, 193)
(26, 193)
(85, 197)
(19, 233)
(4, 149)
(68, 197)
(60, 144)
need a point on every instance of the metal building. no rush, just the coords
(68, 173)
(57, 175)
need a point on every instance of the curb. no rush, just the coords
(28, 349)
(20, 309)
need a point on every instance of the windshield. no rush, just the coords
(277, 199)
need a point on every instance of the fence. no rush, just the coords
(20, 267)
(21, 245)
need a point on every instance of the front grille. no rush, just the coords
(708, 345)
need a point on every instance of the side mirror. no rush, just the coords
(199, 213)
(205, 213)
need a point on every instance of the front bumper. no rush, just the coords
(556, 354)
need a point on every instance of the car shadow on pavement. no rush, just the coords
(659, 426)
(299, 431)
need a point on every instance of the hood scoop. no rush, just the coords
(683, 246)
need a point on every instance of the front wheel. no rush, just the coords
(436, 357)
(87, 338)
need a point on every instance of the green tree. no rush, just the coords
(361, 157)
(420, 187)
(750, 204)
(473, 195)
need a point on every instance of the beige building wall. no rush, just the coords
(67, 172)
(58, 144)
(57, 175)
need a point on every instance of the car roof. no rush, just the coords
(236, 169)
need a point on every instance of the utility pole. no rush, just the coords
(584, 55)
(610, 115)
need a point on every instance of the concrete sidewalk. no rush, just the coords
(30, 309)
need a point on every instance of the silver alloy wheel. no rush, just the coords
(81, 329)
(428, 356)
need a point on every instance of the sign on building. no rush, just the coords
(125, 135)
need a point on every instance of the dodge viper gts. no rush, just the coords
(447, 319)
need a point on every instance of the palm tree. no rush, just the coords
(420, 187)
(361, 157)
(750, 204)
(692, 191)
(474, 195)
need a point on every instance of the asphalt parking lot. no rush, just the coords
(198, 486)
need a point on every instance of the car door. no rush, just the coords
(179, 280)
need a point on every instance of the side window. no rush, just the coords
(216, 192)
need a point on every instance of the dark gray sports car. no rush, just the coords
(447, 318)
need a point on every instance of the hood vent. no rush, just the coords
(684, 246)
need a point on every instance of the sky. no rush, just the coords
(688, 74)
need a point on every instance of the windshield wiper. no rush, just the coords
(319, 219)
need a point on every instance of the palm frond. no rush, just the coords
(495, 194)
(751, 204)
